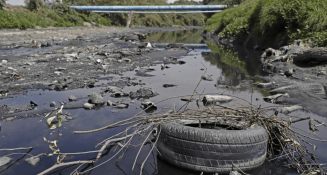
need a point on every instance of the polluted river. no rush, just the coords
(107, 78)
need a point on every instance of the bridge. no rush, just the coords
(155, 8)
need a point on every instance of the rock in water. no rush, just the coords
(4, 161)
(96, 98)
(122, 105)
(265, 85)
(143, 92)
(52, 104)
(146, 103)
(72, 98)
(311, 87)
(33, 160)
(88, 106)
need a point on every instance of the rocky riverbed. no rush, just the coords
(65, 59)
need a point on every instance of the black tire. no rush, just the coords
(212, 151)
(132, 38)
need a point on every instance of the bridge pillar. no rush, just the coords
(129, 20)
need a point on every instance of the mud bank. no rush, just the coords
(297, 64)
(74, 58)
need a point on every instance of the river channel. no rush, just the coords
(237, 68)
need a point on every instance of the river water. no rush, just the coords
(227, 67)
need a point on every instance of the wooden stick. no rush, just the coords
(13, 149)
(300, 119)
(65, 164)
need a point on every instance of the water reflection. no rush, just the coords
(184, 36)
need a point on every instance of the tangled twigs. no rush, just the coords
(284, 140)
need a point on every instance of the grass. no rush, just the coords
(57, 16)
(300, 19)
(61, 15)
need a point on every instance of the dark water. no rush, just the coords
(227, 67)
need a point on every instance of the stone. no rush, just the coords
(146, 103)
(33, 160)
(109, 103)
(4, 62)
(52, 104)
(117, 92)
(122, 105)
(57, 73)
(318, 54)
(4, 161)
(72, 98)
(96, 98)
(289, 72)
(88, 106)
(143, 92)
(265, 85)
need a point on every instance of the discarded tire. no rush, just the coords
(132, 38)
(212, 151)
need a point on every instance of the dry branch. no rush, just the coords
(13, 149)
(242, 114)
(65, 164)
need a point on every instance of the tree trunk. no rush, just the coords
(129, 19)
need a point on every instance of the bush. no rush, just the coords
(299, 19)
(22, 20)
(97, 18)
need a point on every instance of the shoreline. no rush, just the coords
(287, 72)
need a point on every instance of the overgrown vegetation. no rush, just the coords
(2, 3)
(61, 15)
(299, 19)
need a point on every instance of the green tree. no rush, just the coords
(2, 3)
(222, 2)
(34, 5)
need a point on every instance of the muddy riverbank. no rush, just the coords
(75, 73)
(283, 71)
(73, 60)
